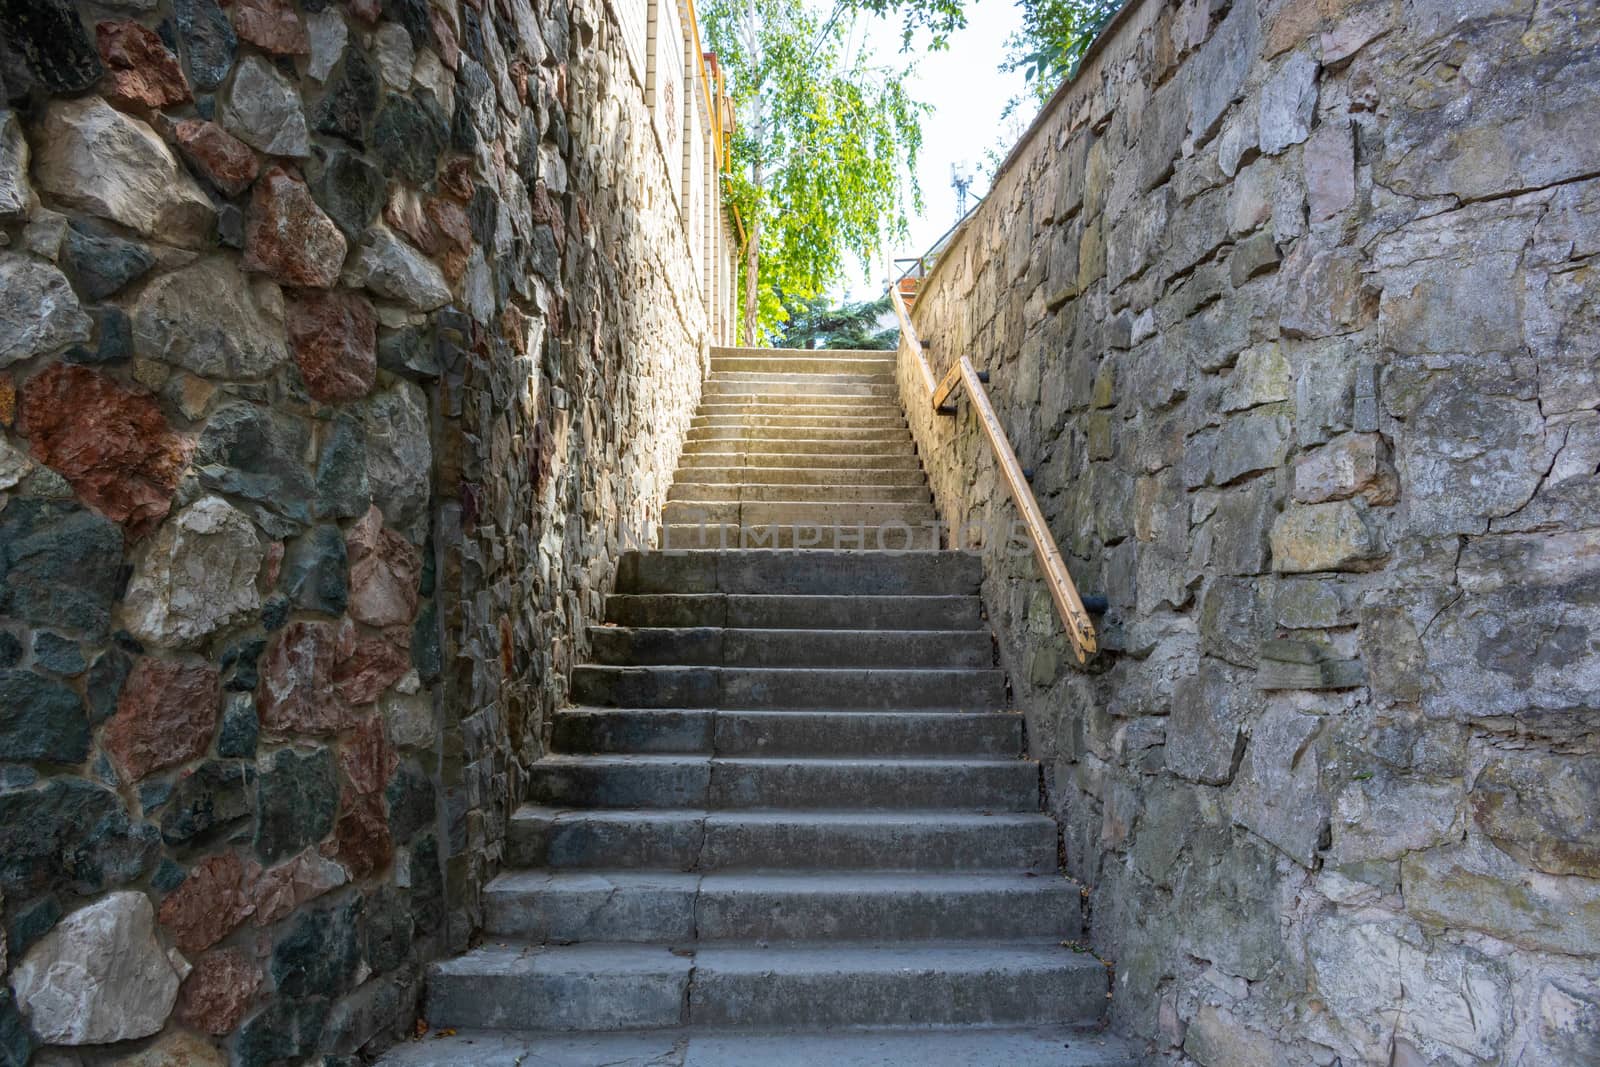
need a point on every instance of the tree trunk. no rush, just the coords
(752, 266)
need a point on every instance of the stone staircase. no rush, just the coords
(786, 820)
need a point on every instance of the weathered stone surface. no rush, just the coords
(361, 837)
(41, 719)
(1323, 292)
(351, 190)
(1288, 100)
(176, 1049)
(385, 570)
(1276, 793)
(316, 571)
(69, 835)
(1474, 451)
(1457, 996)
(297, 681)
(196, 576)
(342, 487)
(368, 761)
(1477, 887)
(218, 992)
(372, 665)
(1217, 1038)
(395, 56)
(113, 445)
(166, 716)
(1347, 466)
(409, 137)
(319, 954)
(16, 196)
(50, 36)
(262, 109)
(213, 320)
(1257, 440)
(400, 457)
(141, 71)
(288, 236)
(1205, 736)
(335, 339)
(224, 160)
(58, 655)
(99, 976)
(271, 25)
(59, 565)
(1541, 809)
(209, 803)
(394, 270)
(1261, 376)
(209, 41)
(259, 454)
(38, 311)
(1323, 537)
(89, 156)
(102, 263)
(212, 901)
(1330, 171)
(1383, 817)
(284, 888)
(297, 802)
(351, 99)
(327, 34)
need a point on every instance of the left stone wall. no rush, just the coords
(342, 345)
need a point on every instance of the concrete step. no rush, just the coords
(733, 472)
(887, 443)
(605, 986)
(791, 512)
(814, 732)
(700, 1047)
(666, 907)
(756, 464)
(801, 432)
(745, 404)
(827, 494)
(895, 537)
(698, 840)
(887, 420)
(784, 783)
(810, 573)
(760, 611)
(749, 647)
(721, 387)
(873, 373)
(786, 687)
(808, 360)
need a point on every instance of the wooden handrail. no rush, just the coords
(1063, 592)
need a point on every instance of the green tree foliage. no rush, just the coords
(825, 150)
(817, 323)
(1055, 35)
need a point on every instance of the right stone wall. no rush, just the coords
(1292, 310)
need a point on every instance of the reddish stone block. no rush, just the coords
(220, 157)
(372, 667)
(368, 759)
(210, 903)
(283, 888)
(272, 25)
(140, 71)
(335, 342)
(456, 179)
(385, 573)
(361, 839)
(218, 992)
(288, 236)
(453, 243)
(112, 444)
(445, 34)
(297, 672)
(165, 716)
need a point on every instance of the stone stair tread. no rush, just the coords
(883, 882)
(699, 1047)
(814, 816)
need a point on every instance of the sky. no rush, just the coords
(968, 93)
